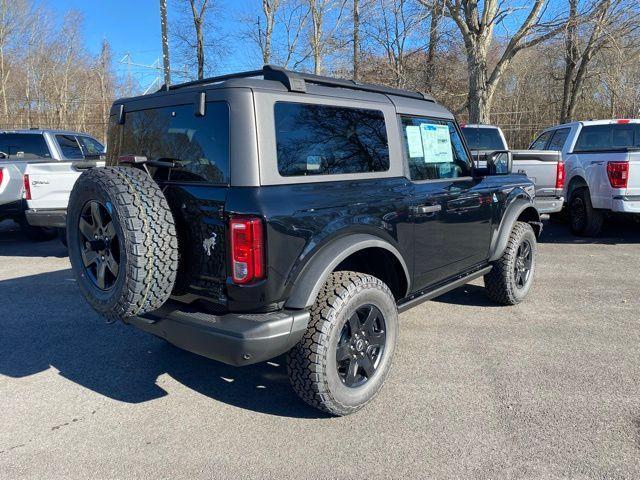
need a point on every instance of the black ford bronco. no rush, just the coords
(255, 214)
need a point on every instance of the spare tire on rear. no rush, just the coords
(122, 241)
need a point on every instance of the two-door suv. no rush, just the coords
(268, 212)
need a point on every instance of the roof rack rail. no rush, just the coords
(296, 82)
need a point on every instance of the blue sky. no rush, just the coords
(133, 26)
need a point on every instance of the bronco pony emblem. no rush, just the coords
(209, 244)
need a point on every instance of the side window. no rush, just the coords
(541, 142)
(559, 138)
(199, 144)
(69, 146)
(91, 146)
(24, 145)
(327, 140)
(434, 149)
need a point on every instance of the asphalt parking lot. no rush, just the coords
(549, 388)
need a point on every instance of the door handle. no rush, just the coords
(422, 209)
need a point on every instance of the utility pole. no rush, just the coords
(165, 43)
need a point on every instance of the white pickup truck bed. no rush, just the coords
(50, 185)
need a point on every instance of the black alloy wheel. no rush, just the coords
(522, 265)
(99, 246)
(361, 346)
(578, 213)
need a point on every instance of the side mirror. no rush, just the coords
(3, 155)
(500, 162)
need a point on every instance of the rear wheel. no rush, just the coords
(122, 241)
(343, 360)
(585, 220)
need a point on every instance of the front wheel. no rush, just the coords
(343, 359)
(511, 277)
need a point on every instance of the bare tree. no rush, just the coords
(265, 35)
(321, 38)
(612, 20)
(392, 27)
(196, 36)
(198, 12)
(476, 22)
(435, 16)
(356, 39)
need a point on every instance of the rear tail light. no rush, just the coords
(27, 187)
(247, 249)
(1, 175)
(618, 173)
(560, 175)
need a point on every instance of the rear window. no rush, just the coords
(327, 140)
(199, 144)
(483, 138)
(24, 145)
(594, 138)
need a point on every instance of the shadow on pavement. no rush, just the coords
(470, 295)
(46, 323)
(14, 244)
(615, 231)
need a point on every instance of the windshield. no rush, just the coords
(483, 138)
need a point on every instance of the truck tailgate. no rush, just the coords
(52, 182)
(633, 183)
(541, 167)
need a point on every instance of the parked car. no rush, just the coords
(602, 161)
(37, 171)
(242, 218)
(544, 167)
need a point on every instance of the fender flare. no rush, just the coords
(315, 273)
(514, 210)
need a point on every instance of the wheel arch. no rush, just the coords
(577, 181)
(520, 210)
(360, 252)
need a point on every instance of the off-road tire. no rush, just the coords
(36, 234)
(500, 283)
(585, 221)
(146, 237)
(311, 364)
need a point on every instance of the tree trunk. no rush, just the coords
(356, 39)
(200, 47)
(430, 70)
(479, 96)
(570, 59)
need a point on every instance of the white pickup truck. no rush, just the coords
(38, 169)
(602, 162)
(543, 166)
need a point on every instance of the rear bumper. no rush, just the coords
(549, 204)
(236, 339)
(46, 218)
(626, 204)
